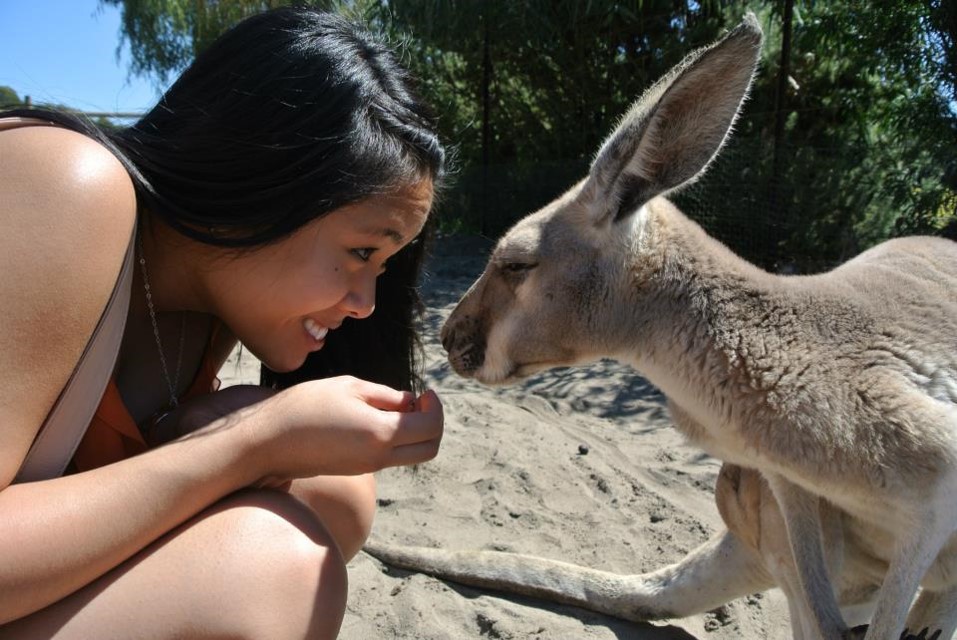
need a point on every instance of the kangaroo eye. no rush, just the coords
(516, 272)
(516, 268)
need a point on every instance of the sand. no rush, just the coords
(580, 465)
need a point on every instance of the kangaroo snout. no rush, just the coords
(447, 336)
(464, 343)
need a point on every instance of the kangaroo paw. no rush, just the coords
(907, 635)
(857, 633)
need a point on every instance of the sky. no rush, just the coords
(64, 52)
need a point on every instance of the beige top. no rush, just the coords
(71, 413)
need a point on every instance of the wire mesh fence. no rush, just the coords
(814, 209)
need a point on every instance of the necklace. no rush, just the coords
(171, 383)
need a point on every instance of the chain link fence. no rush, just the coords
(820, 207)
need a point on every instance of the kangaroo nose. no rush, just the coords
(447, 336)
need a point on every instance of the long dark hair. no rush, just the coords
(288, 116)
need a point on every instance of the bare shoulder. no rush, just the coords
(67, 207)
(50, 164)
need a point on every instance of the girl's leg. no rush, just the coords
(258, 564)
(345, 504)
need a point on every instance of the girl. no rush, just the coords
(289, 168)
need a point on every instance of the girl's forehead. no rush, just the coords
(415, 198)
(397, 217)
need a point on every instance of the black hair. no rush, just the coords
(287, 116)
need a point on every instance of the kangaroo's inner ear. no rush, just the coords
(672, 133)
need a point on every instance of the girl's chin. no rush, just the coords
(284, 364)
(290, 358)
(291, 361)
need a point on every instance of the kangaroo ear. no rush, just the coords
(671, 134)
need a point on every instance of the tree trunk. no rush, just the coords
(486, 125)
(780, 116)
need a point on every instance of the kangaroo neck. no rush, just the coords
(698, 314)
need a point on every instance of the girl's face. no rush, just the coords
(281, 301)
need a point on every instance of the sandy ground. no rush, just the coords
(580, 465)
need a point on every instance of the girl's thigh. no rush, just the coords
(258, 564)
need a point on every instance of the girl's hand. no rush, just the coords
(198, 412)
(343, 426)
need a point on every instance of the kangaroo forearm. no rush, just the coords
(60, 534)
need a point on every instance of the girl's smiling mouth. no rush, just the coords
(315, 330)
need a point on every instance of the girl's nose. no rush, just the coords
(360, 301)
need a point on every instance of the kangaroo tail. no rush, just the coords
(713, 574)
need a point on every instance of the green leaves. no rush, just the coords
(526, 91)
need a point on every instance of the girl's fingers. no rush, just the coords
(414, 453)
(420, 426)
(429, 401)
(386, 398)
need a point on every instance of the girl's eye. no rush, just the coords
(363, 254)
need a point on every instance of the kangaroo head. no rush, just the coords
(544, 297)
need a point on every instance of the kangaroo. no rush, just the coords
(830, 398)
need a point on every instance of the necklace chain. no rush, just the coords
(171, 383)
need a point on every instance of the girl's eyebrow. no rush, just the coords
(386, 232)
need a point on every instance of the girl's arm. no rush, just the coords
(58, 535)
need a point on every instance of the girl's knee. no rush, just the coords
(364, 501)
(258, 564)
(290, 577)
(344, 504)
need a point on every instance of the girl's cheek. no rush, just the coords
(326, 292)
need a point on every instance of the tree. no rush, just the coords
(870, 128)
(165, 35)
(526, 91)
(9, 98)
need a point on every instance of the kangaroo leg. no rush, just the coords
(749, 508)
(803, 626)
(916, 552)
(771, 542)
(718, 571)
(802, 516)
(935, 611)
(750, 511)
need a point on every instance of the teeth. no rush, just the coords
(317, 332)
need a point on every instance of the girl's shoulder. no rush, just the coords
(67, 209)
(58, 170)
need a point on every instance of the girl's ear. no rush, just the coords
(671, 134)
